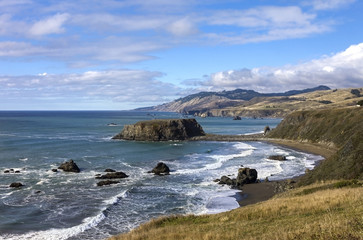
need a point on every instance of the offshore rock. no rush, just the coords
(112, 175)
(69, 166)
(16, 185)
(161, 130)
(161, 169)
(277, 157)
(106, 182)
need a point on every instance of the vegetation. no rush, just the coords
(331, 210)
(341, 129)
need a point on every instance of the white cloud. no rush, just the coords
(131, 86)
(342, 70)
(50, 25)
(182, 27)
(19, 49)
(330, 4)
(263, 17)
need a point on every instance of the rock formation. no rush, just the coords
(69, 166)
(112, 175)
(160, 169)
(16, 185)
(245, 176)
(161, 130)
(106, 182)
(277, 157)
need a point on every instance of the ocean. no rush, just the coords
(60, 205)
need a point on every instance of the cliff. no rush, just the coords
(161, 130)
(340, 129)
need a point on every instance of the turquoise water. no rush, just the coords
(71, 206)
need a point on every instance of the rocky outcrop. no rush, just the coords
(277, 157)
(106, 182)
(161, 130)
(112, 175)
(245, 176)
(69, 166)
(16, 185)
(161, 169)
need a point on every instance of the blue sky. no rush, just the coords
(118, 55)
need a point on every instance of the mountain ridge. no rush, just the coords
(249, 103)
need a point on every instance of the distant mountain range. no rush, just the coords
(249, 103)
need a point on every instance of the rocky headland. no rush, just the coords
(161, 130)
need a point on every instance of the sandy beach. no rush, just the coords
(257, 192)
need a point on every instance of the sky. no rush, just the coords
(125, 54)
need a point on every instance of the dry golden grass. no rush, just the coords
(322, 211)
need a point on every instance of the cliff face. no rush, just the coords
(161, 130)
(341, 129)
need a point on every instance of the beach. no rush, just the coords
(262, 191)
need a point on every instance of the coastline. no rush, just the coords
(262, 191)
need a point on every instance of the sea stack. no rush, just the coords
(161, 130)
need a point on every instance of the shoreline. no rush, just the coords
(262, 191)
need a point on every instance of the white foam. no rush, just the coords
(252, 133)
(23, 159)
(116, 198)
(61, 234)
(65, 233)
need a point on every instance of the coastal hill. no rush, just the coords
(336, 129)
(328, 204)
(249, 103)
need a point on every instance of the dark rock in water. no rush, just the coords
(110, 170)
(7, 171)
(17, 171)
(16, 185)
(106, 182)
(69, 166)
(161, 130)
(237, 118)
(54, 170)
(277, 157)
(112, 175)
(161, 169)
(266, 130)
(245, 176)
(11, 170)
(37, 192)
(227, 180)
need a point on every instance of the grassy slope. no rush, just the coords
(331, 210)
(281, 106)
(341, 129)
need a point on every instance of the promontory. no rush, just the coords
(161, 130)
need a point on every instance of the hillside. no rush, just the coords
(340, 129)
(253, 104)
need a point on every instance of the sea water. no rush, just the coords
(60, 205)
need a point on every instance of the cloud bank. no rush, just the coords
(341, 70)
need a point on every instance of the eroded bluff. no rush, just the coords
(161, 130)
